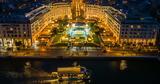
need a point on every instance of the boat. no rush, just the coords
(72, 73)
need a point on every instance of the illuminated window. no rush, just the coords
(131, 26)
(11, 29)
(139, 26)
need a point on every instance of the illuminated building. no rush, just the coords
(112, 20)
(22, 28)
(78, 9)
(143, 31)
(37, 19)
(105, 14)
(27, 28)
(59, 10)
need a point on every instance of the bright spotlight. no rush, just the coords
(36, 42)
(87, 30)
(73, 25)
(67, 25)
(86, 25)
(108, 39)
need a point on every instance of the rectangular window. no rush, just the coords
(122, 32)
(130, 36)
(139, 26)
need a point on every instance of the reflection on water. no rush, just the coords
(72, 82)
(35, 76)
(57, 82)
(111, 72)
(123, 65)
(118, 65)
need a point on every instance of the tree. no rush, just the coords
(62, 23)
(94, 27)
(54, 31)
(65, 20)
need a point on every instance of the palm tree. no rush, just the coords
(94, 26)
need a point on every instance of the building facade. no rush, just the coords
(105, 14)
(78, 9)
(142, 31)
(12, 33)
(22, 30)
(26, 28)
(37, 19)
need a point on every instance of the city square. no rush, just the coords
(78, 29)
(79, 41)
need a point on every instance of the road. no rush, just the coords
(71, 52)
